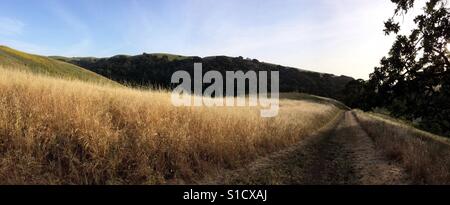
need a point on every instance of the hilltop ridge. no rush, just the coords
(14, 59)
(156, 70)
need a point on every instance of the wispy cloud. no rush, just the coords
(339, 36)
(81, 42)
(334, 36)
(11, 26)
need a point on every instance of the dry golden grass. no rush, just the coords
(425, 156)
(56, 131)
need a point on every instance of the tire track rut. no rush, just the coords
(340, 153)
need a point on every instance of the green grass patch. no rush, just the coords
(14, 59)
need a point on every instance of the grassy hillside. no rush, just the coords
(157, 69)
(14, 59)
(171, 57)
(424, 155)
(82, 133)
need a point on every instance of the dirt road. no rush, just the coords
(340, 153)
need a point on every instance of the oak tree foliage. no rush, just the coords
(413, 80)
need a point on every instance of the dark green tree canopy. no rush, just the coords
(413, 80)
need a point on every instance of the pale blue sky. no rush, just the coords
(334, 36)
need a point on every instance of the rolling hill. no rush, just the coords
(156, 70)
(14, 59)
(59, 131)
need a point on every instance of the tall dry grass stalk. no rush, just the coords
(425, 156)
(54, 131)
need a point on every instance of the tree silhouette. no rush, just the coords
(413, 80)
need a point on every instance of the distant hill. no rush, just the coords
(157, 69)
(14, 59)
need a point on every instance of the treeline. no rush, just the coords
(157, 69)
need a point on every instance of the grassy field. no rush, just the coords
(58, 131)
(10, 58)
(426, 157)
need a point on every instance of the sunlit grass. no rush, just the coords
(56, 131)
